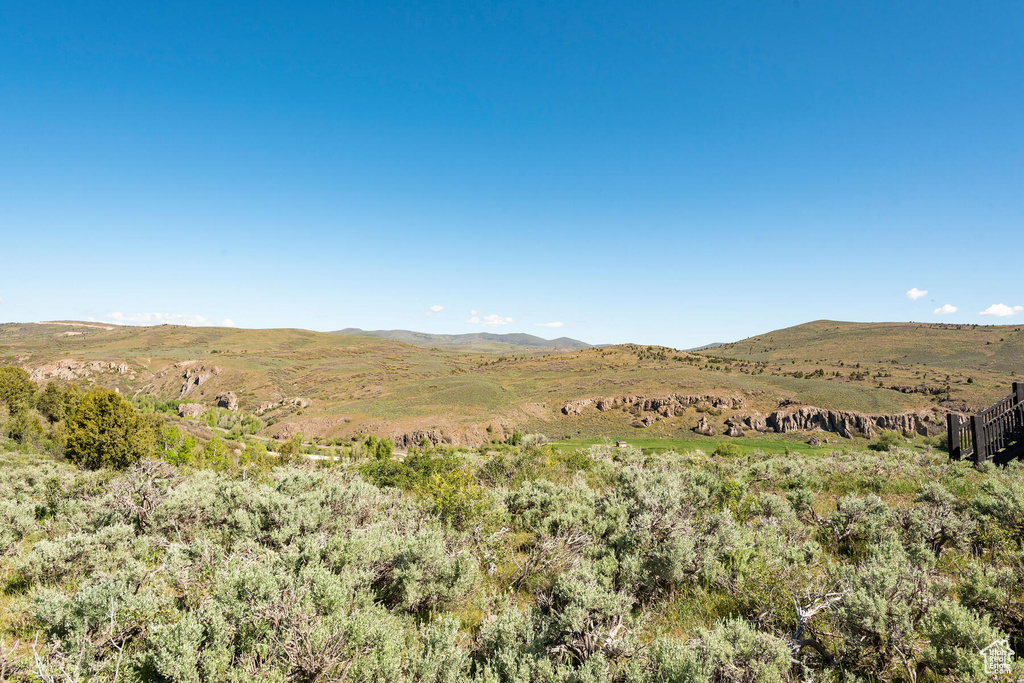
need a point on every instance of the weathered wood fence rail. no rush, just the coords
(980, 436)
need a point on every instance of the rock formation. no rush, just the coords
(195, 376)
(666, 406)
(227, 400)
(643, 422)
(850, 423)
(576, 407)
(755, 422)
(414, 439)
(191, 409)
(297, 402)
(785, 419)
(703, 427)
(70, 370)
(734, 427)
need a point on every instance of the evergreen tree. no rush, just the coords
(17, 389)
(106, 431)
(51, 403)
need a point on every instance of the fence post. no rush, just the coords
(953, 436)
(1018, 392)
(979, 440)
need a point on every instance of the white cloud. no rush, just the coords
(474, 312)
(916, 293)
(436, 309)
(548, 324)
(2, 301)
(946, 309)
(489, 320)
(1002, 310)
(165, 319)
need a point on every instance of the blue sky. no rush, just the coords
(657, 172)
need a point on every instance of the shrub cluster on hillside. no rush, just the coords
(511, 564)
(523, 565)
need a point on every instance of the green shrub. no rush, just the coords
(728, 450)
(936, 521)
(546, 508)
(51, 403)
(458, 500)
(150, 404)
(956, 635)
(735, 651)
(106, 431)
(859, 524)
(674, 661)
(440, 656)
(175, 446)
(211, 418)
(884, 600)
(16, 520)
(25, 428)
(515, 567)
(887, 441)
(379, 448)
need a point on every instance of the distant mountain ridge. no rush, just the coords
(706, 347)
(467, 340)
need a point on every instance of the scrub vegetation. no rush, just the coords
(130, 550)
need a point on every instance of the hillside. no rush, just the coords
(983, 348)
(339, 385)
(480, 341)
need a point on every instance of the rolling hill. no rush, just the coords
(947, 348)
(335, 385)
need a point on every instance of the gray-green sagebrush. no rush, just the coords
(511, 565)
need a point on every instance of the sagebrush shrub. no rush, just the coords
(674, 567)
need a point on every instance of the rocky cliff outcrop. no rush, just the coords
(788, 418)
(755, 422)
(296, 402)
(195, 375)
(414, 439)
(850, 423)
(666, 406)
(576, 407)
(70, 370)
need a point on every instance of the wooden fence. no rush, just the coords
(980, 436)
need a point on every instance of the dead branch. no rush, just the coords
(814, 603)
